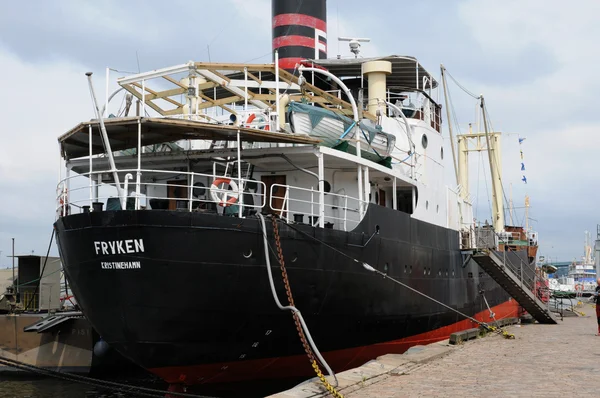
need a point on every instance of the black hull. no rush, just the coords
(198, 311)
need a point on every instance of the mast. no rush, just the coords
(493, 145)
(526, 213)
(13, 266)
(510, 207)
(456, 170)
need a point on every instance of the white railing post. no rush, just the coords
(240, 187)
(321, 167)
(191, 191)
(138, 174)
(394, 195)
(91, 163)
(312, 202)
(346, 212)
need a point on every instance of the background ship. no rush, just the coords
(168, 261)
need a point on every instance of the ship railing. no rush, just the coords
(294, 203)
(181, 191)
(419, 106)
(486, 239)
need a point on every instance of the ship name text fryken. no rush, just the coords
(127, 246)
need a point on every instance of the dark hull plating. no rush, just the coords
(199, 311)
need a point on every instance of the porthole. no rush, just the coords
(247, 253)
(437, 208)
(426, 205)
(424, 141)
(442, 152)
(385, 267)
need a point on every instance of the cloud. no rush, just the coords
(40, 104)
(554, 108)
(532, 60)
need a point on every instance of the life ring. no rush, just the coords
(579, 286)
(222, 200)
(252, 117)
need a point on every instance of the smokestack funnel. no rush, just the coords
(299, 31)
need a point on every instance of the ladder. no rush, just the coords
(515, 279)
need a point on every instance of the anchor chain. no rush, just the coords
(288, 292)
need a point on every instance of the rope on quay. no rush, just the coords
(103, 384)
(310, 348)
(366, 266)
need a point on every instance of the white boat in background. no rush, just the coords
(581, 275)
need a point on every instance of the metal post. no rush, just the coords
(367, 186)
(139, 166)
(450, 124)
(493, 147)
(276, 91)
(312, 207)
(240, 187)
(67, 187)
(106, 142)
(13, 265)
(245, 89)
(97, 185)
(143, 98)
(360, 191)
(105, 113)
(321, 189)
(91, 166)
(394, 195)
(346, 212)
(191, 185)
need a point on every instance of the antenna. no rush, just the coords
(354, 43)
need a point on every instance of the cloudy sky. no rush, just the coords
(534, 60)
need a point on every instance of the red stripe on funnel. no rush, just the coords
(303, 41)
(299, 19)
(290, 63)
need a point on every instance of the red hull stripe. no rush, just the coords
(299, 19)
(303, 41)
(340, 360)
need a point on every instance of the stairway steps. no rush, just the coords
(513, 286)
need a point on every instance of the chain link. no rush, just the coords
(288, 292)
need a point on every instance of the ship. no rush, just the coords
(167, 218)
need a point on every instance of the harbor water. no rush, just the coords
(41, 387)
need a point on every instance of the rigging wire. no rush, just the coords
(461, 86)
(386, 276)
(486, 186)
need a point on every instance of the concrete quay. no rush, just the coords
(542, 361)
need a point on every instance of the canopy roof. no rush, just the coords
(123, 134)
(404, 70)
